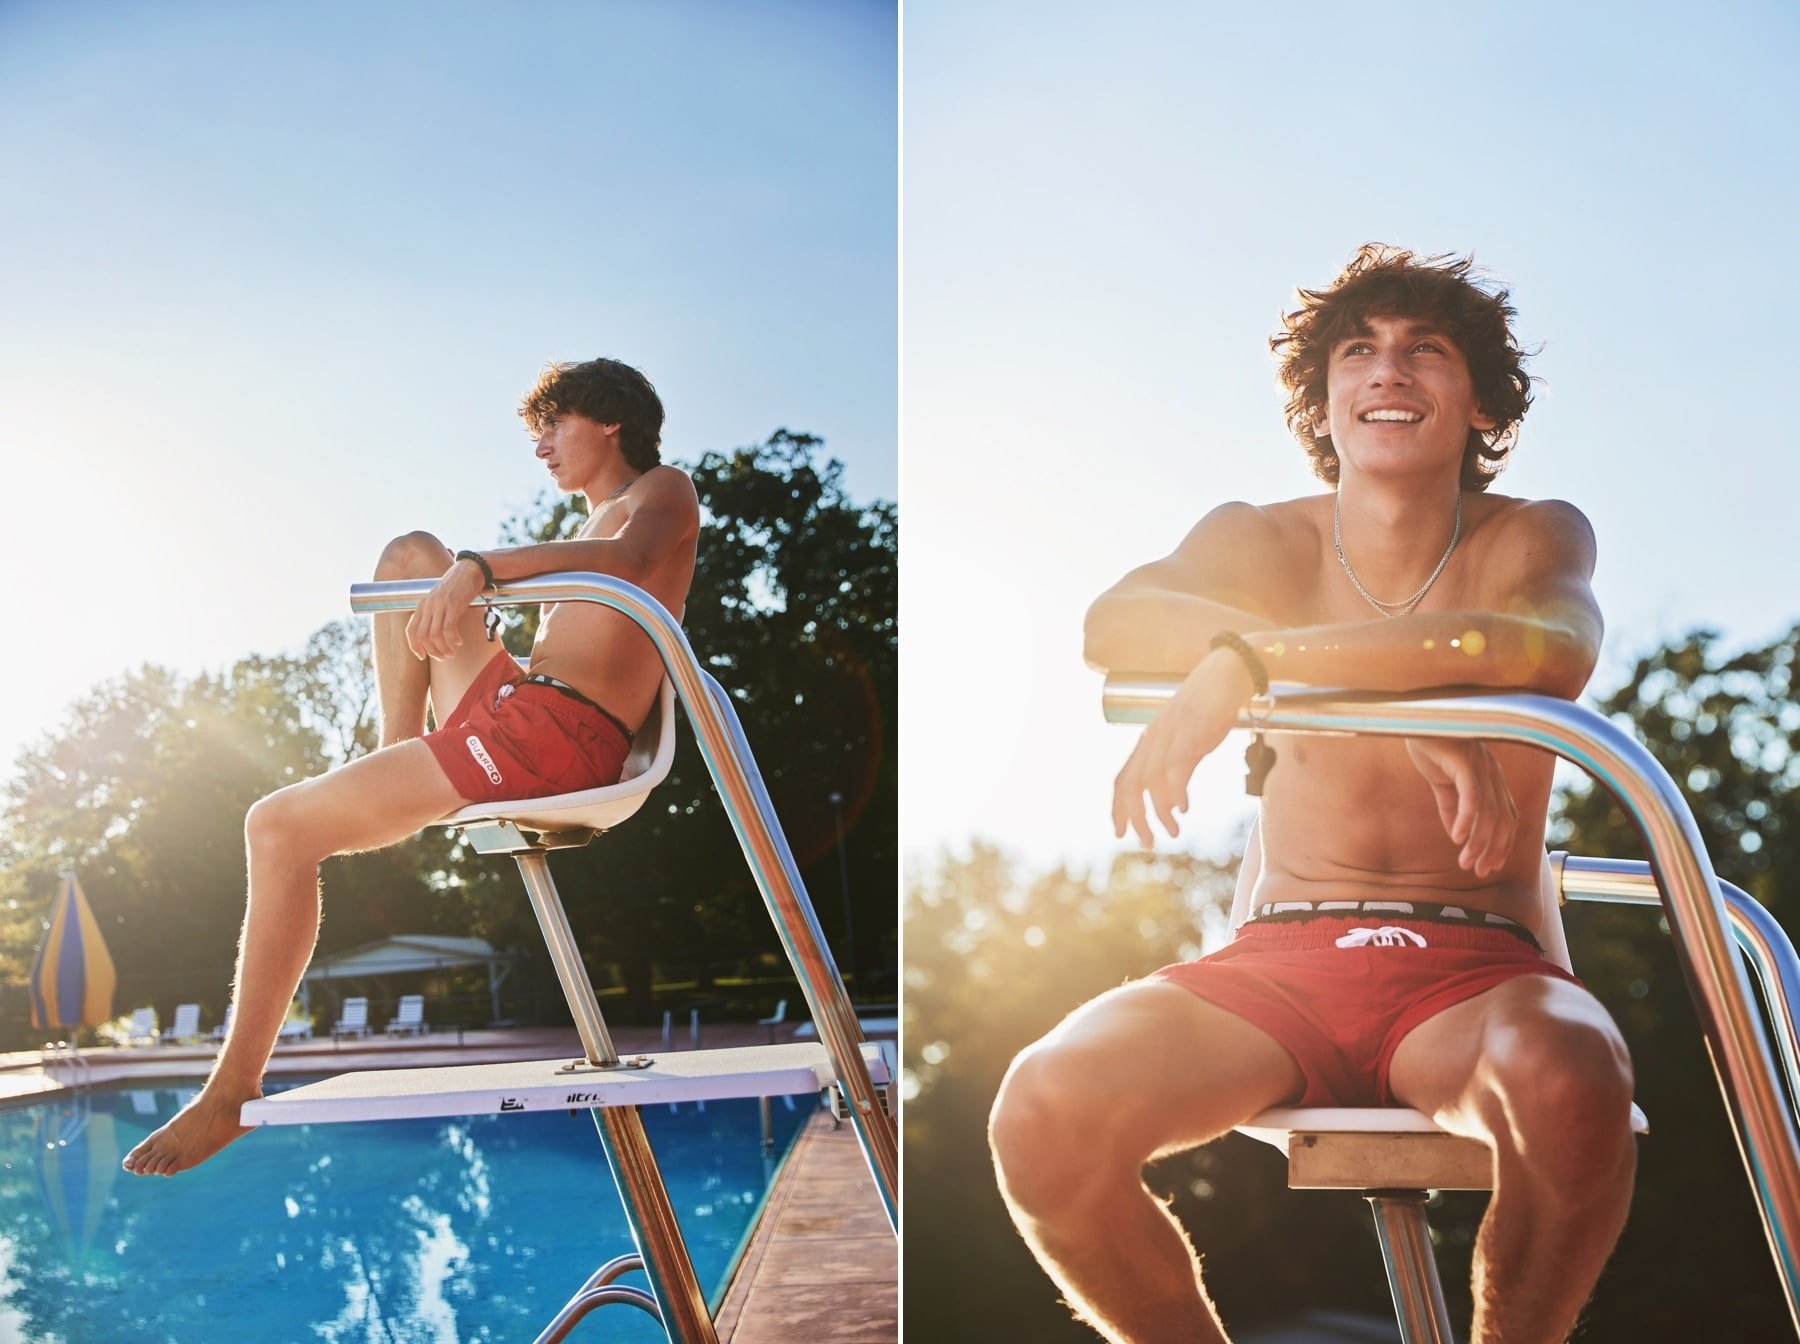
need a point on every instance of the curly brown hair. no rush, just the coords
(606, 392)
(1384, 281)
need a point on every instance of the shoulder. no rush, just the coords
(667, 487)
(1540, 529)
(1237, 527)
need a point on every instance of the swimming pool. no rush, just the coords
(437, 1231)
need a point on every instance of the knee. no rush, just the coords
(1566, 1093)
(274, 827)
(413, 555)
(1049, 1135)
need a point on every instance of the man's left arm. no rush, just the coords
(665, 518)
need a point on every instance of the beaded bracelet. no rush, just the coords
(492, 619)
(487, 571)
(1231, 639)
(1259, 756)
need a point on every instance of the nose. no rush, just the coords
(543, 444)
(1390, 369)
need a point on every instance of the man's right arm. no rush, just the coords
(1161, 617)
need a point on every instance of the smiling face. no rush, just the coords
(576, 449)
(1399, 397)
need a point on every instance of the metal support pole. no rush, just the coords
(722, 745)
(1405, 1238)
(647, 1209)
(565, 955)
(1715, 977)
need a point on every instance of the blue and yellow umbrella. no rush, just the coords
(72, 977)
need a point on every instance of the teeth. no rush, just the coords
(1398, 417)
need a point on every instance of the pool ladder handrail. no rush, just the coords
(55, 1054)
(675, 1297)
(1689, 891)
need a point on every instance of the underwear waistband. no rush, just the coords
(1300, 918)
(539, 679)
(1412, 909)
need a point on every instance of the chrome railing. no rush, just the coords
(1690, 892)
(1764, 942)
(733, 768)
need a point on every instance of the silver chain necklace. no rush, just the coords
(1389, 608)
(633, 481)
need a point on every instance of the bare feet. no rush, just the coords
(205, 1125)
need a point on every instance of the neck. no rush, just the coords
(608, 480)
(1395, 533)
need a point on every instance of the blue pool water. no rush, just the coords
(436, 1231)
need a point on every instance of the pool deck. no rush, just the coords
(822, 1264)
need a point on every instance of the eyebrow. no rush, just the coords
(1414, 331)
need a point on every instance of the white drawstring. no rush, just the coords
(1388, 935)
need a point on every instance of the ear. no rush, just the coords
(1321, 421)
(1482, 421)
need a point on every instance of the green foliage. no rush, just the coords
(144, 790)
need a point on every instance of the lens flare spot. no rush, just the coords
(1473, 643)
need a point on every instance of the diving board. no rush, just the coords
(558, 1085)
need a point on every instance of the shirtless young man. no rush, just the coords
(1406, 386)
(593, 671)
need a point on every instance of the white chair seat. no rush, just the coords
(652, 753)
(1371, 1148)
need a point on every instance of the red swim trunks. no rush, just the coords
(1340, 992)
(509, 738)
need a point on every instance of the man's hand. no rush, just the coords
(433, 631)
(1190, 726)
(1473, 801)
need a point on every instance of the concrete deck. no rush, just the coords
(822, 1264)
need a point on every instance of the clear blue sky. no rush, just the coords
(277, 274)
(1107, 207)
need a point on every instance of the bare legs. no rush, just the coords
(1143, 1070)
(377, 800)
(1535, 1068)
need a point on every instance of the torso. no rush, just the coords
(1350, 818)
(601, 652)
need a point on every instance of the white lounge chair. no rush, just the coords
(774, 1019)
(295, 1029)
(411, 1017)
(187, 1024)
(143, 1027)
(218, 1032)
(355, 1019)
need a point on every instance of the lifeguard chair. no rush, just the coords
(1395, 1156)
(614, 1088)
